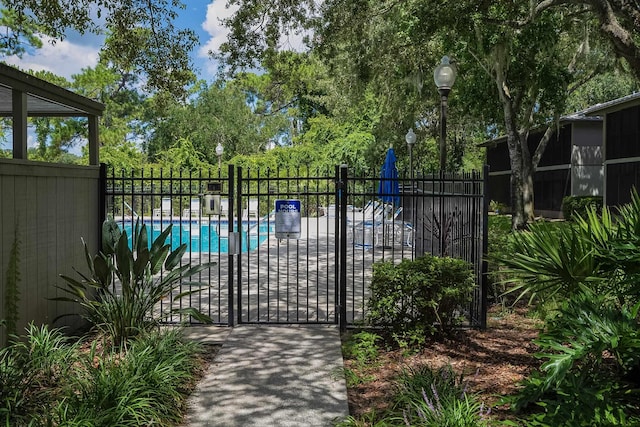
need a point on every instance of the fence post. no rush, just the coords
(238, 241)
(102, 201)
(485, 248)
(230, 256)
(342, 235)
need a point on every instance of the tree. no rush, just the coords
(217, 113)
(517, 65)
(532, 68)
(619, 22)
(183, 155)
(55, 137)
(19, 34)
(141, 36)
(122, 124)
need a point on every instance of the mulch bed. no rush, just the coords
(493, 362)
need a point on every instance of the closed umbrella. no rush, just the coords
(389, 189)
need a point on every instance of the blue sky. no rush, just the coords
(76, 52)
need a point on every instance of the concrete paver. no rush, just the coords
(271, 376)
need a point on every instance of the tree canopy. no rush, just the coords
(519, 62)
(141, 36)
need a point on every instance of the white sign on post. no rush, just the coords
(288, 219)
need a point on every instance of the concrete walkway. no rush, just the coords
(270, 376)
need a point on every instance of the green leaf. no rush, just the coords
(87, 256)
(124, 259)
(174, 257)
(197, 315)
(159, 242)
(110, 236)
(157, 259)
(141, 263)
(102, 270)
(141, 239)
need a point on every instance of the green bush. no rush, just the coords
(573, 206)
(600, 252)
(143, 386)
(46, 379)
(434, 398)
(33, 373)
(414, 299)
(362, 347)
(498, 208)
(590, 272)
(591, 353)
(129, 285)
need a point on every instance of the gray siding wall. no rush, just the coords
(53, 206)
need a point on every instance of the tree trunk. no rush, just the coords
(517, 156)
(527, 189)
(518, 185)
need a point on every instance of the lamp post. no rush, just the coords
(444, 76)
(219, 151)
(410, 137)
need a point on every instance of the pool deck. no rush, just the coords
(290, 281)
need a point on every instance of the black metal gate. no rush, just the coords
(322, 276)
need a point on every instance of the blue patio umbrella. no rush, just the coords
(389, 189)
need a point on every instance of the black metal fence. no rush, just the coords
(323, 275)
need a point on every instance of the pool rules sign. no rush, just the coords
(287, 219)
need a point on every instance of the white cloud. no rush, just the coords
(216, 11)
(63, 59)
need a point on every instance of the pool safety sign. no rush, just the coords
(287, 219)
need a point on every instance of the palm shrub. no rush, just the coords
(600, 252)
(591, 271)
(591, 369)
(124, 286)
(547, 261)
(419, 297)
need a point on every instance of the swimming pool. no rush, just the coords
(205, 236)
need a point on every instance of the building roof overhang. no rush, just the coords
(23, 95)
(614, 105)
(564, 120)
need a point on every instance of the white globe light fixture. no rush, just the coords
(444, 75)
(410, 137)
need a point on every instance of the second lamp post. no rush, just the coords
(219, 151)
(444, 76)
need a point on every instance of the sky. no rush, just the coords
(76, 52)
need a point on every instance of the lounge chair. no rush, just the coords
(362, 228)
(393, 230)
(194, 209)
(165, 209)
(252, 211)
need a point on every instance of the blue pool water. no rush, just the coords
(205, 236)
